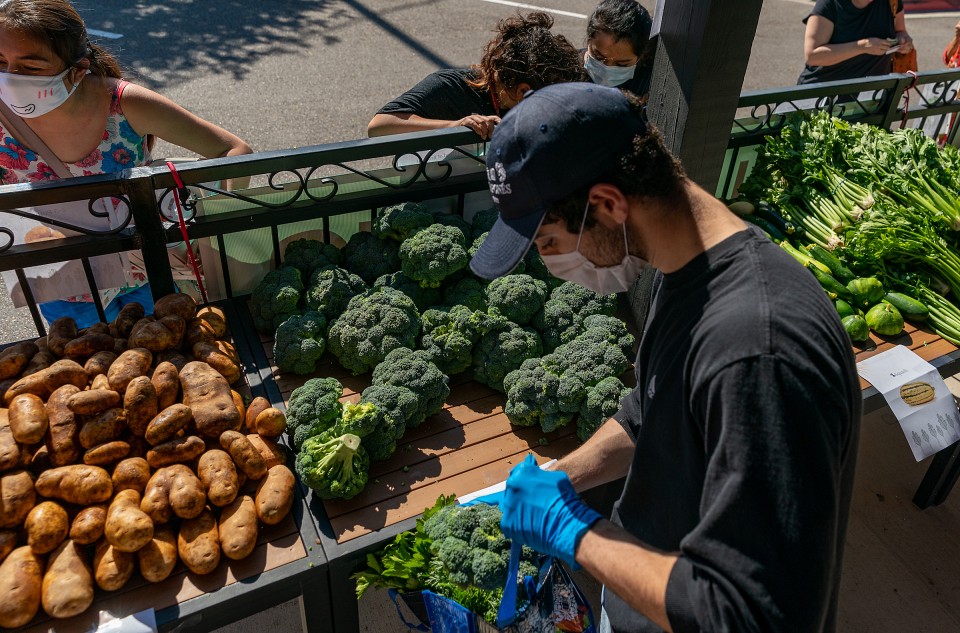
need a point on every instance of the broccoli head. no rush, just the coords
(370, 257)
(360, 419)
(482, 221)
(617, 332)
(454, 220)
(404, 367)
(433, 254)
(396, 405)
(423, 297)
(276, 298)
(533, 265)
(334, 466)
(584, 301)
(300, 342)
(400, 221)
(308, 255)
(374, 324)
(592, 356)
(467, 291)
(557, 323)
(449, 336)
(502, 349)
(517, 297)
(313, 408)
(602, 401)
(331, 289)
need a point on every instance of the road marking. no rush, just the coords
(534, 7)
(106, 34)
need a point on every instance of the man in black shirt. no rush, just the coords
(739, 442)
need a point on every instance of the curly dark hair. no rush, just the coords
(648, 170)
(525, 51)
(623, 20)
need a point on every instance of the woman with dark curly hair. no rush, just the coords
(524, 55)
(618, 50)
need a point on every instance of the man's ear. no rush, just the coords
(611, 207)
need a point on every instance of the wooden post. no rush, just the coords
(701, 58)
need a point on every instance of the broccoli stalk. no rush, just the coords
(334, 466)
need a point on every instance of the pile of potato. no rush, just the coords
(123, 446)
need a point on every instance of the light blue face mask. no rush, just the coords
(604, 75)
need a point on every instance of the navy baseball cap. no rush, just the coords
(557, 140)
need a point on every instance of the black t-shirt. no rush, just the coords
(746, 417)
(444, 95)
(849, 25)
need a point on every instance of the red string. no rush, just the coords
(906, 101)
(183, 230)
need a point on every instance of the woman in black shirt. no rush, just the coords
(618, 51)
(524, 55)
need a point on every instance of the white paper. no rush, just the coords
(929, 426)
(143, 622)
(500, 487)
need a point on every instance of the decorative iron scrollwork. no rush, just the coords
(121, 219)
(768, 118)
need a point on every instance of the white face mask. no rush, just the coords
(604, 75)
(575, 267)
(31, 96)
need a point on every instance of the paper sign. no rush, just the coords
(143, 622)
(917, 395)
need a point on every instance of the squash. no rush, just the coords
(866, 291)
(917, 393)
(884, 319)
(844, 309)
(856, 328)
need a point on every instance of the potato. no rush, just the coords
(46, 381)
(106, 453)
(256, 405)
(46, 526)
(61, 332)
(100, 362)
(238, 528)
(244, 455)
(41, 360)
(207, 393)
(138, 446)
(62, 439)
(100, 381)
(112, 568)
(83, 347)
(21, 577)
(105, 427)
(199, 543)
(17, 498)
(79, 483)
(97, 328)
(128, 528)
(166, 382)
(173, 490)
(177, 450)
(271, 452)
(40, 460)
(10, 453)
(275, 495)
(87, 526)
(119, 346)
(221, 356)
(67, 588)
(271, 422)
(175, 304)
(158, 336)
(219, 477)
(158, 557)
(198, 331)
(93, 401)
(215, 318)
(167, 423)
(175, 358)
(238, 400)
(132, 473)
(130, 364)
(140, 403)
(14, 359)
(8, 542)
(126, 318)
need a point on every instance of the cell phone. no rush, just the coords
(891, 50)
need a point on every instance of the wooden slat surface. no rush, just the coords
(927, 345)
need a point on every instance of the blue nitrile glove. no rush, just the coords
(541, 510)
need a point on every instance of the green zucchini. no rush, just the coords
(803, 258)
(844, 309)
(775, 234)
(840, 272)
(831, 285)
(768, 213)
(856, 327)
(910, 308)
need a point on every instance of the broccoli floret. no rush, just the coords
(489, 570)
(334, 466)
(584, 301)
(433, 254)
(557, 323)
(454, 220)
(617, 331)
(374, 324)
(313, 408)
(533, 265)
(404, 367)
(400, 221)
(457, 558)
(502, 349)
(592, 356)
(308, 255)
(331, 289)
(532, 398)
(300, 342)
(602, 401)
(276, 298)
(400, 404)
(517, 297)
(466, 292)
(360, 419)
(424, 298)
(449, 336)
(483, 221)
(371, 257)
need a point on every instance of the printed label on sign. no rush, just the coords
(143, 622)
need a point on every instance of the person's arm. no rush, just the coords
(818, 51)
(903, 38)
(603, 458)
(385, 123)
(953, 46)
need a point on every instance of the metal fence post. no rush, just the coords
(150, 234)
(892, 107)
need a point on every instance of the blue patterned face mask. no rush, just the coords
(604, 75)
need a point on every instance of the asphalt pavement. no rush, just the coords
(291, 73)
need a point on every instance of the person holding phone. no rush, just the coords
(848, 39)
